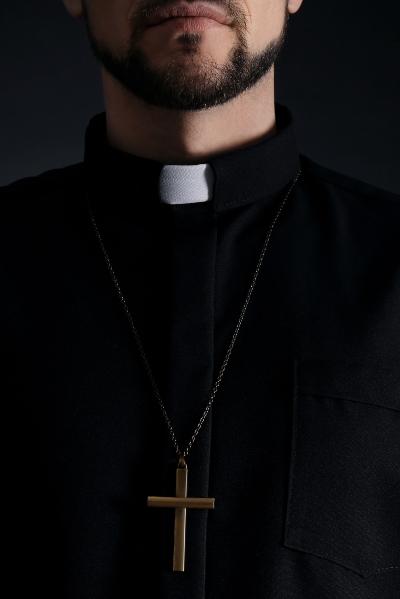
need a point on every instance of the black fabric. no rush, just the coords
(301, 448)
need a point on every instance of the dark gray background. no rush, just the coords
(339, 73)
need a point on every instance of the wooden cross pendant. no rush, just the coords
(181, 502)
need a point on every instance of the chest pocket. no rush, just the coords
(344, 481)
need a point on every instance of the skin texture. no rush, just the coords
(182, 95)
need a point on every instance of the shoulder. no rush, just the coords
(361, 219)
(34, 194)
(324, 179)
(37, 212)
(44, 181)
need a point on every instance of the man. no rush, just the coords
(201, 335)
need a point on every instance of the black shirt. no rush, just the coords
(301, 448)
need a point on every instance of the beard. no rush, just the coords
(202, 85)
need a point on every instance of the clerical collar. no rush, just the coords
(227, 180)
(186, 183)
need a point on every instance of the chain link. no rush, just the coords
(234, 336)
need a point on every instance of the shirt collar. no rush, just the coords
(241, 176)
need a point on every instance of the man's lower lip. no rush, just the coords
(186, 23)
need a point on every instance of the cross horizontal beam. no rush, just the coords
(182, 502)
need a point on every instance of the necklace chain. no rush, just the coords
(234, 336)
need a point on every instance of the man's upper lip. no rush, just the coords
(184, 9)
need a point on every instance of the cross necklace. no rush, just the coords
(181, 502)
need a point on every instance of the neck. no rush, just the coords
(183, 137)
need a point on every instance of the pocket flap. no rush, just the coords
(369, 381)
